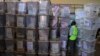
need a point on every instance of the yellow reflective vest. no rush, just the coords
(73, 32)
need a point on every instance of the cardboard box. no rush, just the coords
(43, 35)
(20, 21)
(10, 20)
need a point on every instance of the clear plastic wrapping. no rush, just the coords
(88, 45)
(43, 21)
(10, 20)
(32, 8)
(65, 22)
(62, 11)
(43, 47)
(55, 10)
(44, 6)
(9, 45)
(43, 35)
(11, 7)
(92, 53)
(20, 21)
(54, 34)
(64, 34)
(31, 22)
(55, 47)
(30, 47)
(9, 33)
(21, 8)
(31, 35)
(64, 45)
(54, 22)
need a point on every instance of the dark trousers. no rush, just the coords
(72, 46)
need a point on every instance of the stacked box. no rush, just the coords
(31, 35)
(9, 45)
(31, 47)
(20, 33)
(54, 22)
(63, 53)
(31, 22)
(64, 34)
(44, 6)
(9, 33)
(43, 21)
(88, 53)
(62, 11)
(55, 47)
(10, 20)
(43, 47)
(20, 45)
(63, 45)
(32, 8)
(2, 32)
(65, 22)
(88, 45)
(54, 34)
(9, 54)
(21, 8)
(11, 7)
(2, 46)
(43, 35)
(2, 8)
(20, 21)
(2, 20)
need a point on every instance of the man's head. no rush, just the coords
(73, 23)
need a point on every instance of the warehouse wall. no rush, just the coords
(75, 1)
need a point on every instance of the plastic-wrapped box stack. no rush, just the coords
(55, 43)
(64, 20)
(86, 22)
(43, 26)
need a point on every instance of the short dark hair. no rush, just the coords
(73, 23)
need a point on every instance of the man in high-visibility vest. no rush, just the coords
(73, 37)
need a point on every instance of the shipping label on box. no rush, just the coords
(32, 8)
(21, 8)
(43, 35)
(55, 48)
(31, 22)
(43, 47)
(43, 21)
(10, 20)
(9, 33)
(30, 35)
(11, 7)
(20, 45)
(30, 47)
(20, 21)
